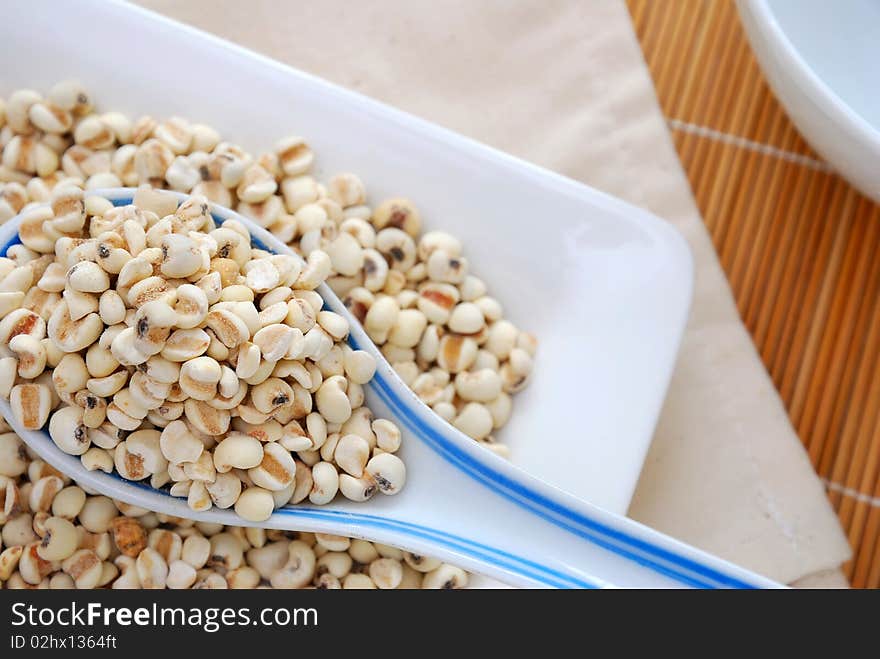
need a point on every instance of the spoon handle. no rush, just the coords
(512, 537)
(483, 513)
(525, 544)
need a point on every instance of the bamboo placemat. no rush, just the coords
(799, 246)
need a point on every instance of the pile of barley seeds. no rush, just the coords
(412, 291)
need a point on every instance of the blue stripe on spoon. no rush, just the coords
(538, 572)
(658, 559)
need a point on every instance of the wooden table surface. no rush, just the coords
(800, 247)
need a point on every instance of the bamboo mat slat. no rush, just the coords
(798, 244)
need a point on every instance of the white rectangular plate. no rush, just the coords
(605, 286)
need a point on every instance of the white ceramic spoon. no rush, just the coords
(462, 503)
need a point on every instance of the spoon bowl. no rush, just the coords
(462, 503)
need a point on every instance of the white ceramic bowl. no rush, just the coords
(823, 61)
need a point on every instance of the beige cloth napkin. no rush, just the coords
(563, 84)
